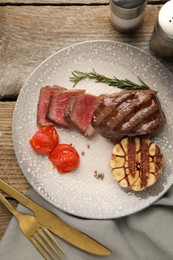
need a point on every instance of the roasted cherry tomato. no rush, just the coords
(65, 158)
(44, 140)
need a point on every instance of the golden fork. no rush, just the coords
(39, 236)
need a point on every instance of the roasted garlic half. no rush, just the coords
(136, 163)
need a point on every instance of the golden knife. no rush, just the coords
(56, 225)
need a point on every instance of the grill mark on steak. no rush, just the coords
(125, 111)
(138, 115)
(147, 127)
(106, 105)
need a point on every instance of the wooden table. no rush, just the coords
(32, 30)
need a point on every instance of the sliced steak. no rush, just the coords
(43, 103)
(58, 104)
(79, 113)
(128, 113)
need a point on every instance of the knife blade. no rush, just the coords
(56, 225)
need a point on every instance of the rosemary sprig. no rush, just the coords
(119, 83)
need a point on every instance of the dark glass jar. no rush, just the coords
(126, 15)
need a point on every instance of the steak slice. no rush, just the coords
(128, 113)
(43, 103)
(79, 113)
(58, 104)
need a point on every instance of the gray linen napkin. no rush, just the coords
(146, 235)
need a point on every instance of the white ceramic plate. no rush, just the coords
(80, 193)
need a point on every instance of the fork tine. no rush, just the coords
(42, 234)
(53, 239)
(40, 241)
(41, 251)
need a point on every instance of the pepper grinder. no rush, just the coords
(126, 15)
(161, 42)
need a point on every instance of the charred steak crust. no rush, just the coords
(127, 113)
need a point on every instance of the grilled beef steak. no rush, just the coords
(79, 113)
(58, 104)
(127, 113)
(43, 103)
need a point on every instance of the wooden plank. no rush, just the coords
(67, 2)
(9, 168)
(29, 36)
(54, 2)
(5, 216)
